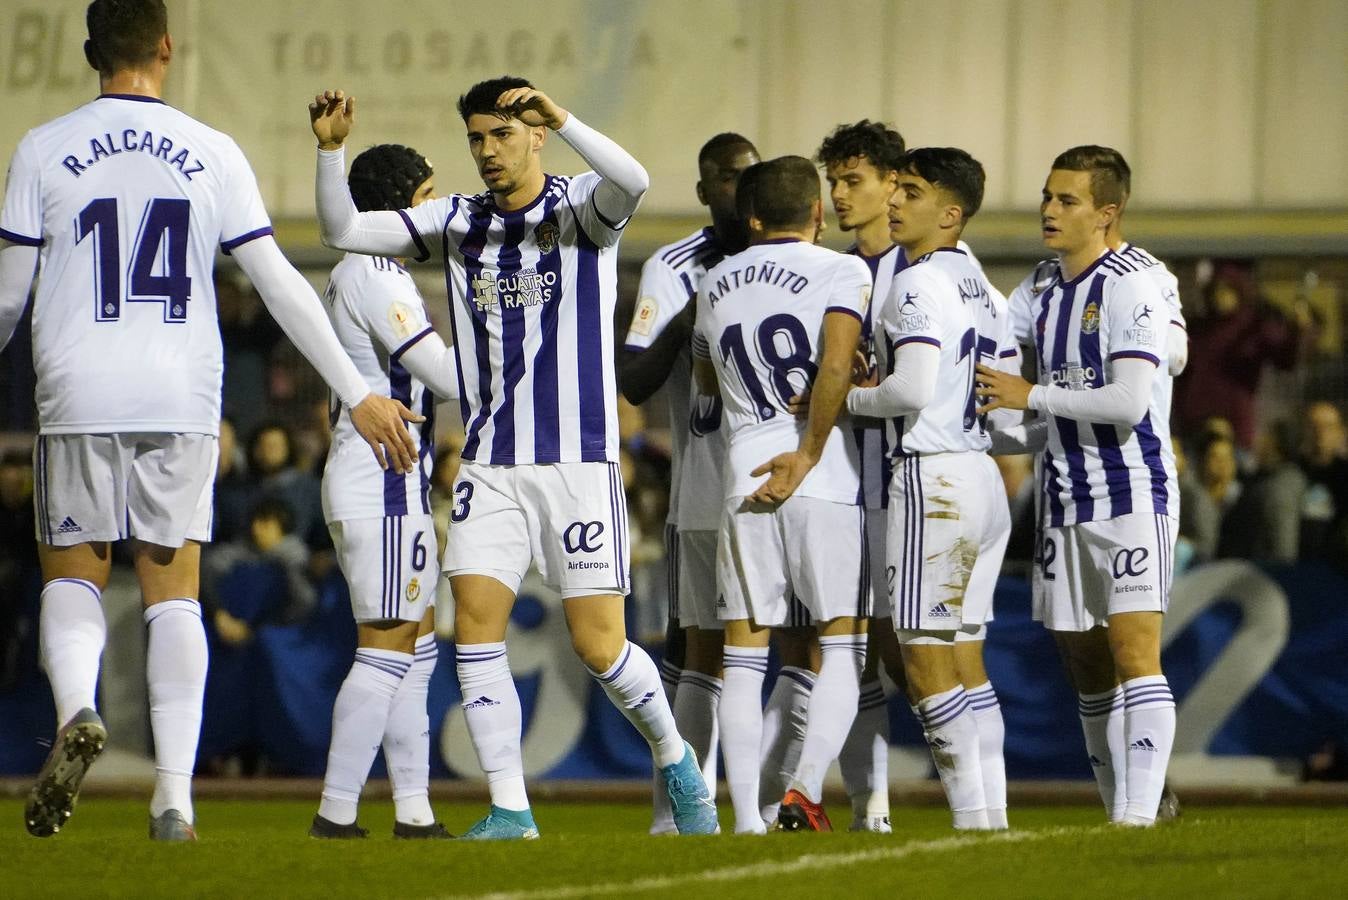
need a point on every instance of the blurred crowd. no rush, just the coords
(1263, 477)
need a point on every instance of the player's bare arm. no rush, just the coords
(642, 374)
(787, 470)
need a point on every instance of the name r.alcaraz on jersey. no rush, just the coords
(132, 141)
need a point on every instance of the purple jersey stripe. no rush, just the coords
(547, 400)
(1067, 428)
(590, 351)
(16, 238)
(847, 312)
(395, 484)
(471, 248)
(513, 328)
(409, 343)
(229, 245)
(427, 452)
(1136, 354)
(1152, 455)
(917, 339)
(1116, 470)
(423, 252)
(1053, 491)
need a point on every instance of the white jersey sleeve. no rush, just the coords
(851, 290)
(1134, 320)
(914, 310)
(21, 220)
(426, 223)
(597, 227)
(662, 295)
(243, 216)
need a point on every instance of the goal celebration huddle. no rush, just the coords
(833, 415)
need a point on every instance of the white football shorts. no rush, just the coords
(806, 547)
(948, 527)
(389, 564)
(570, 519)
(154, 487)
(697, 580)
(1093, 570)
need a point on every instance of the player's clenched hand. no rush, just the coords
(532, 107)
(331, 116)
(380, 421)
(785, 472)
(863, 373)
(1002, 390)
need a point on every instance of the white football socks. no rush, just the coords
(864, 760)
(833, 706)
(1102, 726)
(407, 738)
(662, 816)
(741, 720)
(1149, 734)
(491, 708)
(359, 719)
(991, 735)
(695, 707)
(71, 631)
(783, 734)
(633, 686)
(175, 671)
(952, 734)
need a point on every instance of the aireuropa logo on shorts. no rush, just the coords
(583, 537)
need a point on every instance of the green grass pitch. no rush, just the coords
(258, 848)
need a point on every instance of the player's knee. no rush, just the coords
(1135, 657)
(598, 648)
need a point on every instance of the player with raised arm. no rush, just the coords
(656, 354)
(123, 202)
(1101, 716)
(779, 318)
(1111, 498)
(381, 522)
(531, 268)
(861, 164)
(948, 519)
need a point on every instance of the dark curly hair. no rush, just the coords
(481, 97)
(876, 141)
(386, 176)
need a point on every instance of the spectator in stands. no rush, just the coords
(1230, 343)
(1219, 475)
(19, 580)
(263, 579)
(1200, 519)
(250, 336)
(1264, 523)
(274, 474)
(233, 491)
(1324, 515)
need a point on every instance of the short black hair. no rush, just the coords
(780, 193)
(953, 171)
(723, 141)
(876, 141)
(386, 176)
(274, 509)
(123, 33)
(1111, 179)
(481, 97)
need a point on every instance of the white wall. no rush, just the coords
(1229, 104)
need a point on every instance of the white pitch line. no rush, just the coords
(807, 863)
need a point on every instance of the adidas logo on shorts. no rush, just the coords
(939, 611)
(482, 701)
(1144, 744)
(68, 526)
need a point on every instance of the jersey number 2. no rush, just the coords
(158, 269)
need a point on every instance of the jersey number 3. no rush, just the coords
(158, 269)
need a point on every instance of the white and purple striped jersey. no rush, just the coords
(1095, 470)
(532, 294)
(943, 299)
(872, 443)
(669, 282)
(1022, 299)
(128, 199)
(760, 319)
(378, 315)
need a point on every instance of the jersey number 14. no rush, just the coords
(162, 238)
